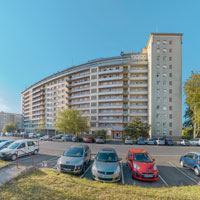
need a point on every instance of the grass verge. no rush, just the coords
(47, 185)
(3, 163)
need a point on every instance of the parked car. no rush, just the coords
(100, 140)
(195, 142)
(150, 141)
(75, 159)
(142, 165)
(160, 141)
(20, 148)
(128, 141)
(67, 138)
(46, 137)
(88, 139)
(2, 140)
(5, 144)
(169, 142)
(9, 134)
(77, 139)
(106, 166)
(140, 141)
(184, 143)
(57, 137)
(191, 160)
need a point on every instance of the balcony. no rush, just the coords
(83, 108)
(138, 114)
(111, 85)
(79, 96)
(111, 78)
(139, 85)
(110, 71)
(138, 92)
(79, 89)
(80, 76)
(139, 70)
(110, 120)
(111, 100)
(139, 106)
(80, 83)
(111, 92)
(139, 100)
(113, 113)
(110, 106)
(138, 77)
(79, 102)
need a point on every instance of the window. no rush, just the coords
(170, 42)
(158, 91)
(164, 116)
(164, 42)
(158, 99)
(170, 66)
(170, 74)
(170, 107)
(158, 42)
(158, 50)
(164, 132)
(170, 58)
(164, 83)
(158, 58)
(170, 99)
(93, 104)
(157, 107)
(164, 50)
(164, 99)
(164, 107)
(30, 143)
(93, 111)
(93, 97)
(164, 66)
(94, 70)
(170, 82)
(158, 82)
(157, 115)
(94, 77)
(170, 124)
(164, 75)
(93, 90)
(170, 50)
(164, 91)
(170, 116)
(170, 91)
(158, 75)
(170, 132)
(164, 58)
(158, 67)
(164, 124)
(93, 83)
(157, 124)
(22, 146)
(93, 124)
(93, 117)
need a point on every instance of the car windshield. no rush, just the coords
(3, 143)
(74, 152)
(142, 157)
(100, 138)
(107, 157)
(128, 138)
(14, 145)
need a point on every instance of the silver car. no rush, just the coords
(128, 141)
(106, 166)
(75, 159)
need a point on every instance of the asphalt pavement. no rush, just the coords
(167, 160)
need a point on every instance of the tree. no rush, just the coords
(71, 121)
(10, 127)
(188, 118)
(187, 132)
(192, 91)
(136, 128)
(41, 126)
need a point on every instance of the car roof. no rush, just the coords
(108, 149)
(138, 151)
(26, 140)
(80, 145)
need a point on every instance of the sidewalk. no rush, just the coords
(10, 172)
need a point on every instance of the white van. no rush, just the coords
(20, 148)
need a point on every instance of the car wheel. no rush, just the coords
(182, 163)
(35, 152)
(196, 171)
(13, 157)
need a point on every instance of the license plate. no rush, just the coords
(67, 169)
(148, 175)
(104, 176)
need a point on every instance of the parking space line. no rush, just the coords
(86, 171)
(123, 182)
(184, 173)
(166, 184)
(51, 159)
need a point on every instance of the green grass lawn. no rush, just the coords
(47, 185)
(3, 163)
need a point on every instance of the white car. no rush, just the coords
(128, 141)
(195, 142)
(150, 141)
(20, 148)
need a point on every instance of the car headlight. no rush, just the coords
(78, 167)
(94, 169)
(136, 166)
(117, 170)
(155, 167)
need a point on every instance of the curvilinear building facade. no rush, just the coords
(112, 91)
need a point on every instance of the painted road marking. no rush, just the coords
(163, 180)
(184, 173)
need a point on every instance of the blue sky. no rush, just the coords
(38, 38)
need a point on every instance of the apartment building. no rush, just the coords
(6, 118)
(112, 91)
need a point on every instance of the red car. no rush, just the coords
(89, 139)
(142, 165)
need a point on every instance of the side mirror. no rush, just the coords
(119, 159)
(153, 159)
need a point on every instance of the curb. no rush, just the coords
(8, 165)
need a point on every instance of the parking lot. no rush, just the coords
(167, 160)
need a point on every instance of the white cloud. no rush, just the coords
(3, 106)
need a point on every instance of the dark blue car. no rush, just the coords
(191, 160)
